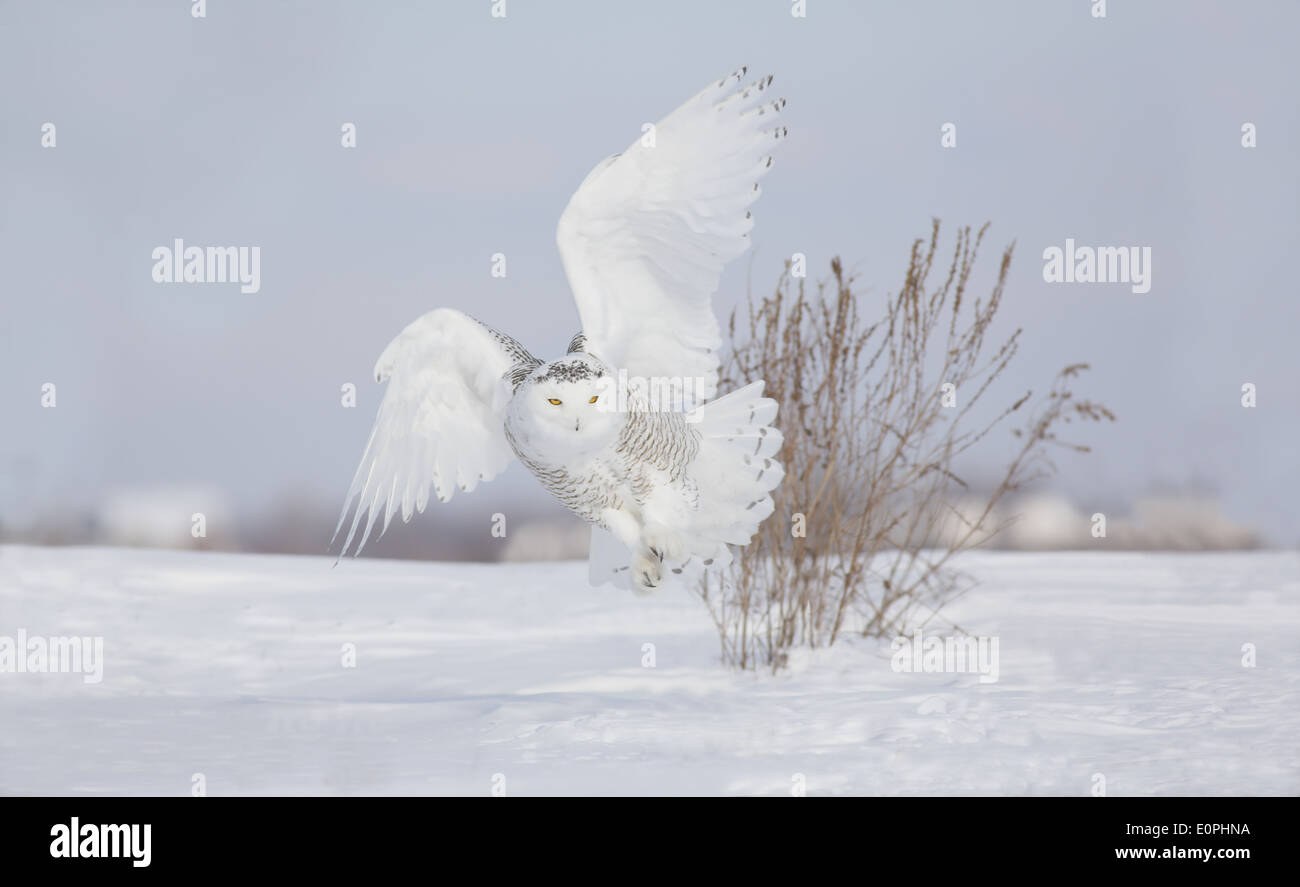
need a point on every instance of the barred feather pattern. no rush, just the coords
(649, 446)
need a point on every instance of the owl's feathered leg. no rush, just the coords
(646, 573)
(624, 525)
(650, 546)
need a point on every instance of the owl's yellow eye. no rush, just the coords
(593, 400)
(552, 401)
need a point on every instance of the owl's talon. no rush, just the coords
(647, 573)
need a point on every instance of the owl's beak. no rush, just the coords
(576, 423)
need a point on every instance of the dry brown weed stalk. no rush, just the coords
(867, 521)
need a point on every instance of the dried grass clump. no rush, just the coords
(866, 524)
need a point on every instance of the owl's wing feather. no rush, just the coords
(441, 424)
(645, 237)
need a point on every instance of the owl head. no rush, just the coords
(562, 407)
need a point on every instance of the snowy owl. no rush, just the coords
(667, 481)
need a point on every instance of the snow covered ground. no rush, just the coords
(1124, 665)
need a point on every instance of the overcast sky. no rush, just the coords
(472, 132)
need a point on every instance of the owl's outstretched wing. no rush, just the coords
(645, 237)
(442, 420)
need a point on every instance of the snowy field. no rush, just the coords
(1125, 665)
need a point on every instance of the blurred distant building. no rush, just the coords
(165, 517)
